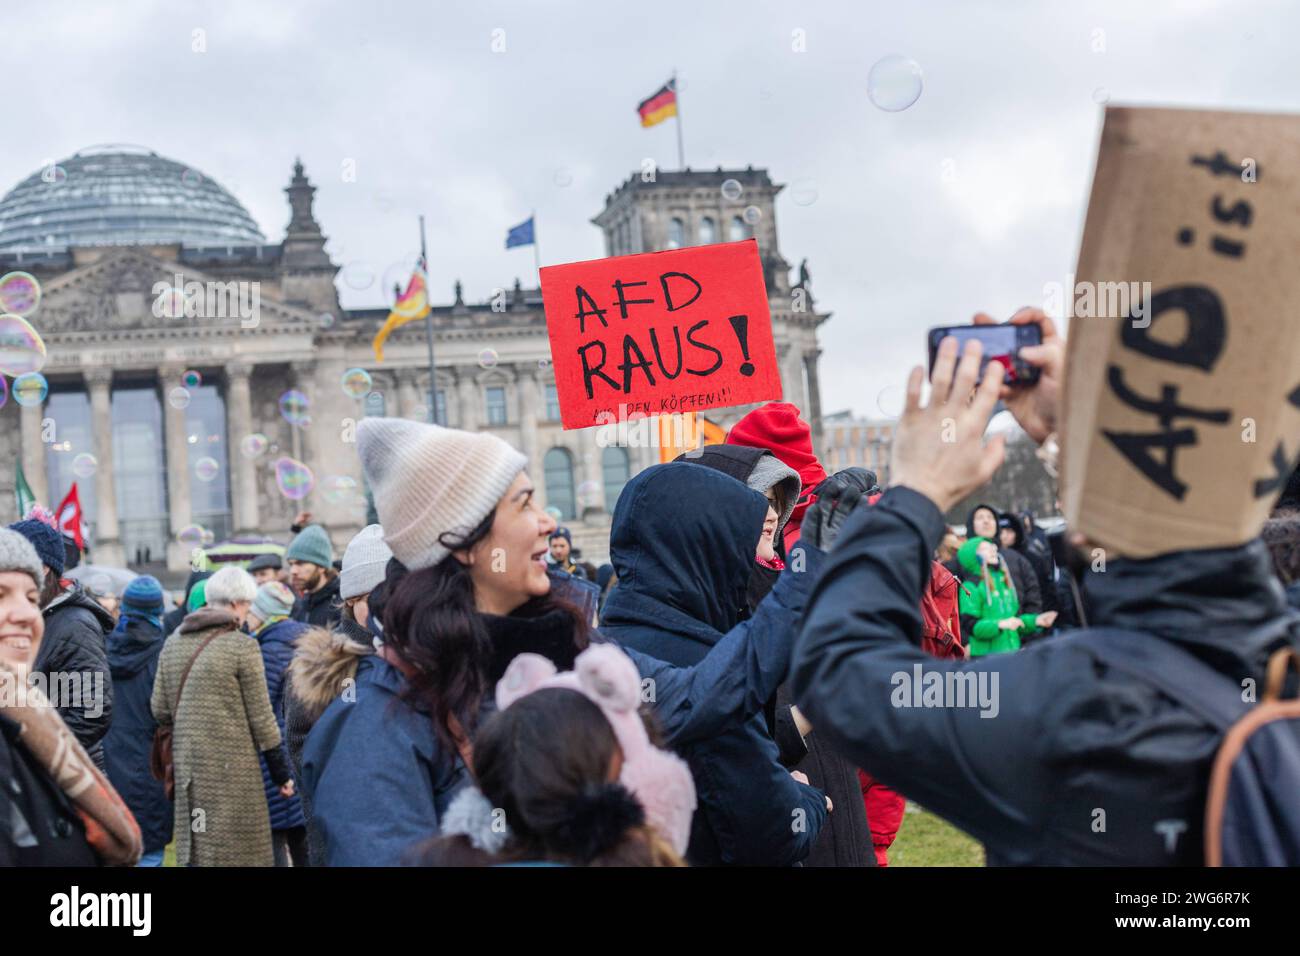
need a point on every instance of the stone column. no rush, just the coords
(813, 413)
(178, 470)
(239, 422)
(108, 539)
(590, 470)
(304, 380)
(33, 458)
(467, 395)
(530, 400)
(408, 394)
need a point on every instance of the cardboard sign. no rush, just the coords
(1182, 417)
(659, 333)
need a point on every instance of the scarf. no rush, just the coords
(111, 830)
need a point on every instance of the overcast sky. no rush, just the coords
(438, 123)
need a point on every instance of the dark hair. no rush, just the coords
(545, 761)
(51, 588)
(431, 621)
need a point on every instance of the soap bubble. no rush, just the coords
(358, 275)
(488, 358)
(55, 175)
(20, 293)
(803, 192)
(544, 363)
(294, 407)
(356, 383)
(563, 178)
(1101, 95)
(752, 215)
(555, 513)
(293, 478)
(30, 389)
(179, 397)
(588, 494)
(170, 304)
(254, 445)
(21, 348)
(326, 320)
(191, 535)
(338, 489)
(731, 190)
(191, 379)
(205, 469)
(894, 83)
(890, 400)
(84, 465)
(191, 179)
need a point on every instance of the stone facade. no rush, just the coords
(100, 324)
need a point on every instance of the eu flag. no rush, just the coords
(520, 235)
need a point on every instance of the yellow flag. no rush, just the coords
(414, 304)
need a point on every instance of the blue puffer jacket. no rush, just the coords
(277, 642)
(682, 544)
(133, 649)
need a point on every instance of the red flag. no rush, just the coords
(69, 517)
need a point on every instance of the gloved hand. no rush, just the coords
(837, 496)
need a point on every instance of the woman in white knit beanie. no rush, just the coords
(467, 592)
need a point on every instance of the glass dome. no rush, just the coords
(121, 196)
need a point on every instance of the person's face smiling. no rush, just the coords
(21, 623)
(508, 567)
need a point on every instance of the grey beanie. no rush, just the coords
(313, 546)
(770, 472)
(365, 562)
(17, 554)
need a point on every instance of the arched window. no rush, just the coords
(708, 231)
(376, 406)
(557, 467)
(676, 233)
(738, 230)
(615, 469)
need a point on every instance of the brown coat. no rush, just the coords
(224, 721)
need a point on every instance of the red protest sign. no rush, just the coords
(660, 332)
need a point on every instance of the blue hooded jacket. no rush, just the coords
(682, 543)
(277, 643)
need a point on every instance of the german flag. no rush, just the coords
(659, 107)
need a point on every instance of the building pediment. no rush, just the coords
(127, 290)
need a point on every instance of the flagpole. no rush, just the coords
(428, 331)
(537, 251)
(681, 150)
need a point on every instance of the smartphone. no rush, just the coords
(1002, 344)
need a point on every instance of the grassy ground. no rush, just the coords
(926, 840)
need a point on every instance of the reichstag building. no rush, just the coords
(192, 364)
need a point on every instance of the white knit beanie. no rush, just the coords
(427, 480)
(364, 562)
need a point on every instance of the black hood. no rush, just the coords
(132, 646)
(682, 544)
(1018, 529)
(1212, 602)
(75, 597)
(741, 462)
(970, 520)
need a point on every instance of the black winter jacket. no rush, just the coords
(133, 656)
(1075, 762)
(74, 655)
(319, 608)
(38, 825)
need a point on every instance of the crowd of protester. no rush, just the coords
(460, 688)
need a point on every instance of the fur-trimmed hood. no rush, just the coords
(322, 661)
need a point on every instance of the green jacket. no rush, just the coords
(982, 606)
